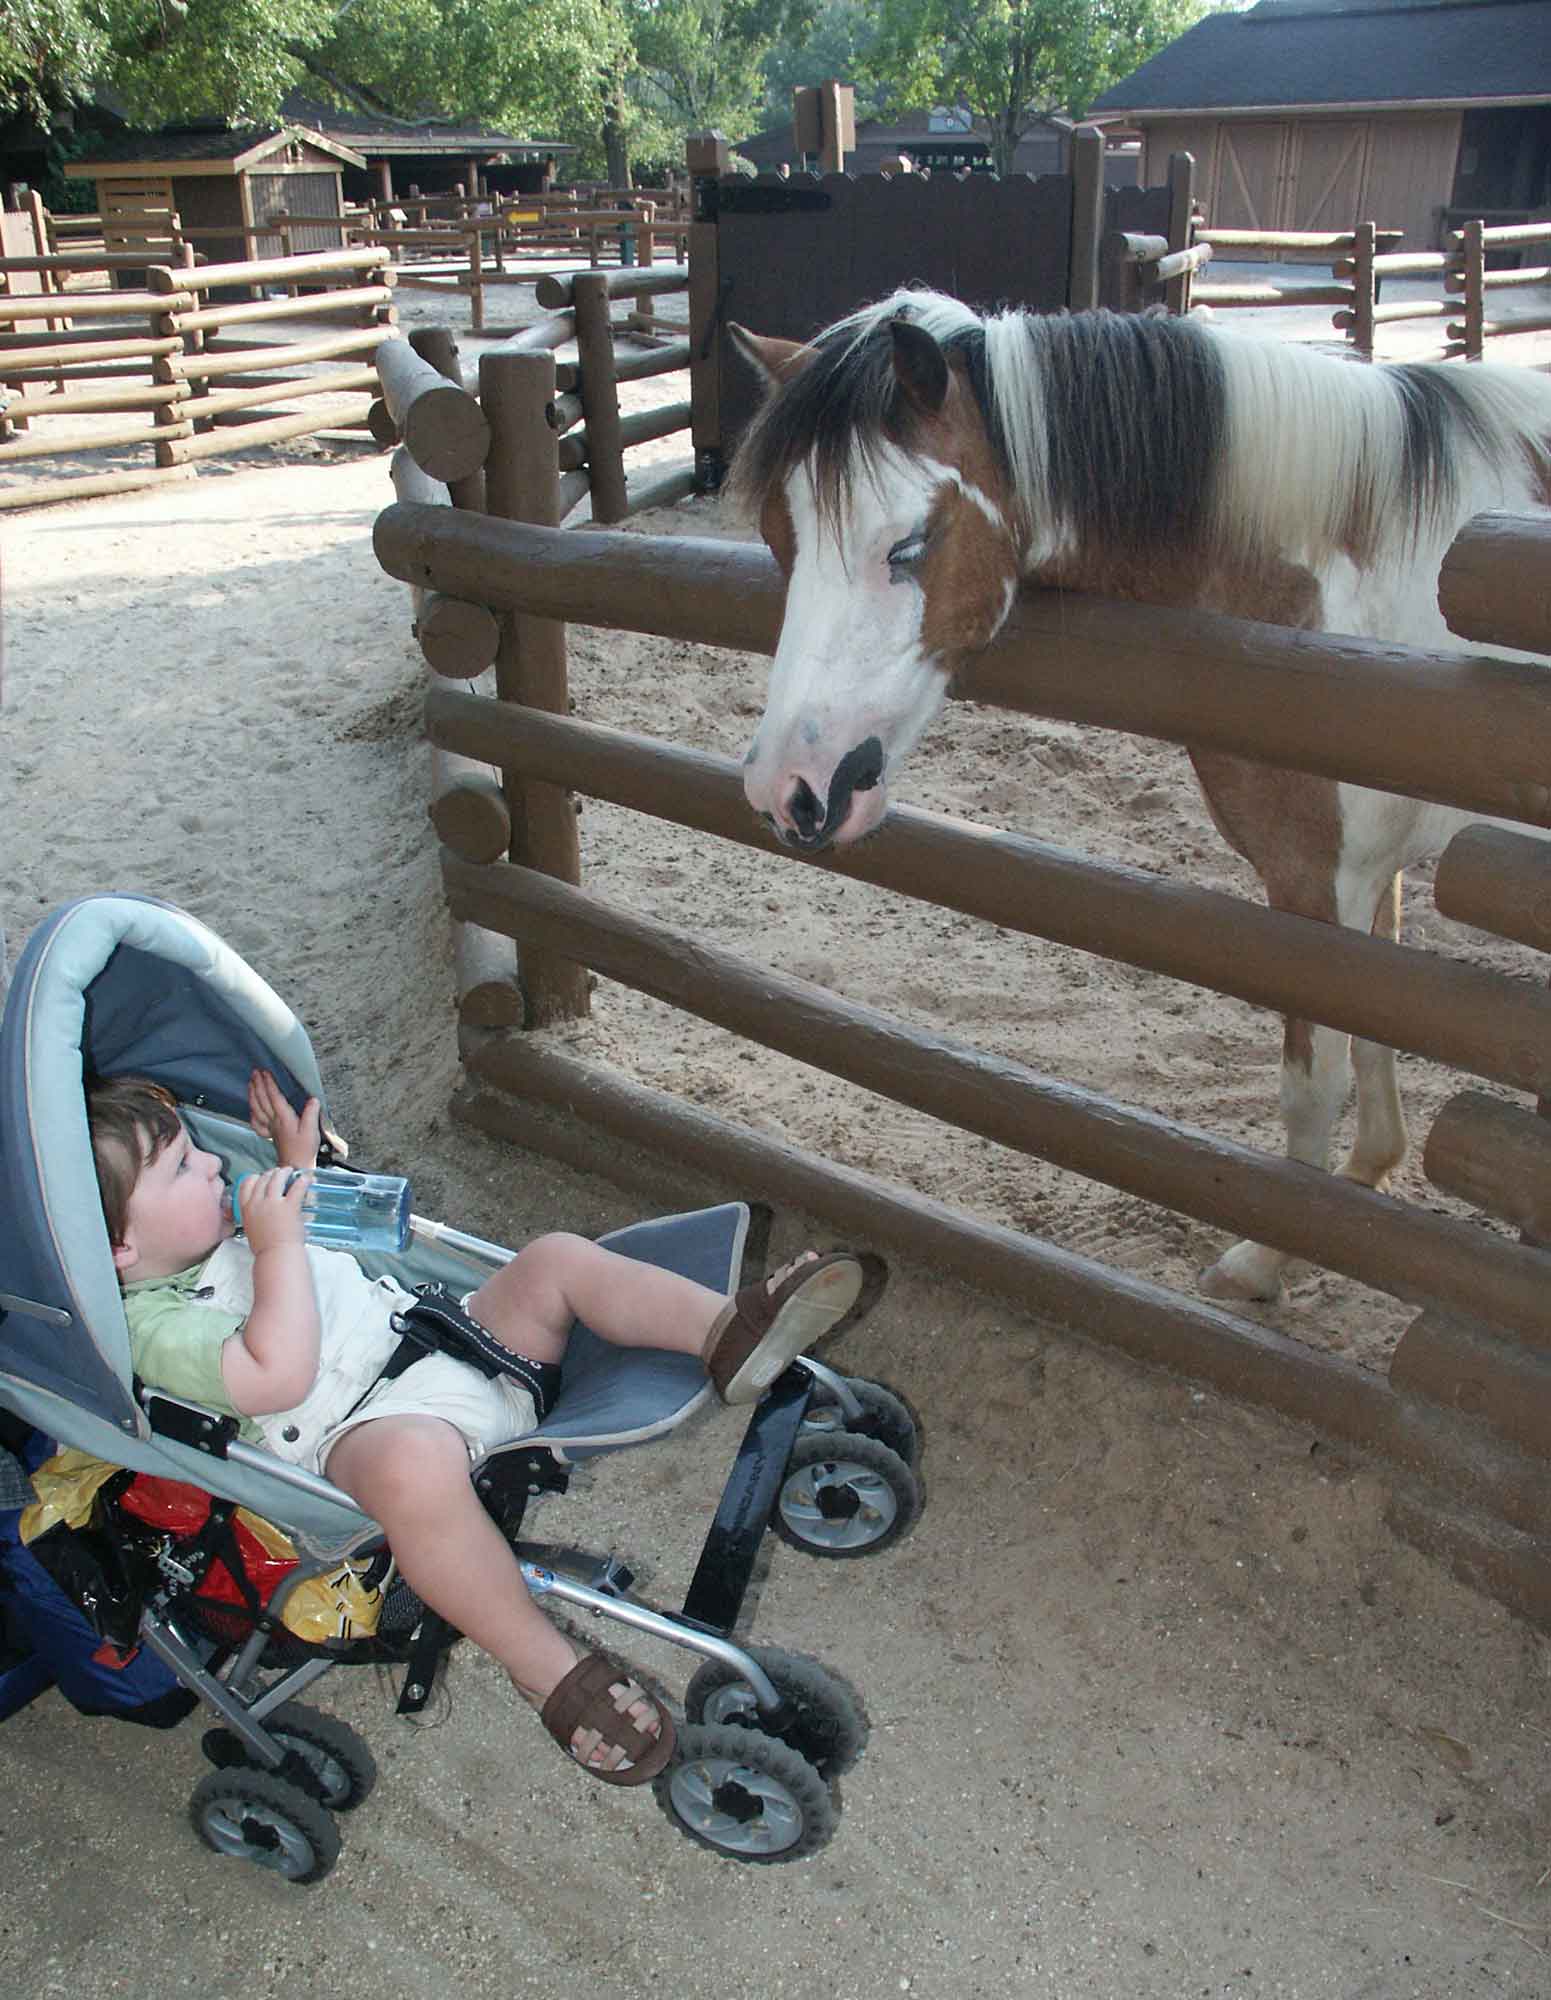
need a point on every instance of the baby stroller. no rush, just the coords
(116, 984)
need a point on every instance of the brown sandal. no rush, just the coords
(766, 1326)
(582, 1699)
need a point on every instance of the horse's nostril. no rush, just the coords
(807, 815)
(863, 765)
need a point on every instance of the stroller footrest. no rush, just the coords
(721, 1579)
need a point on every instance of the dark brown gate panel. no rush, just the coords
(792, 256)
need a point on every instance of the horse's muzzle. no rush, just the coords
(812, 825)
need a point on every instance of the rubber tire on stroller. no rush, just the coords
(745, 1795)
(330, 1762)
(829, 1728)
(887, 1417)
(845, 1496)
(251, 1816)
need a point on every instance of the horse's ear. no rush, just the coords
(920, 367)
(775, 361)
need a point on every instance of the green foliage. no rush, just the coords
(524, 63)
(520, 65)
(1015, 61)
(49, 52)
(612, 75)
(232, 59)
(700, 63)
(838, 44)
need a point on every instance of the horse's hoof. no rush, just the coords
(1245, 1272)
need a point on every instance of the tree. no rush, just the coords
(838, 44)
(521, 63)
(700, 63)
(1013, 62)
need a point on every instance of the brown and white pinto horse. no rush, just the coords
(916, 463)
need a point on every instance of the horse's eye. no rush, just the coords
(907, 552)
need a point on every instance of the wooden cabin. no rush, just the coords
(222, 187)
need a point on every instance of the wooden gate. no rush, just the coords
(788, 257)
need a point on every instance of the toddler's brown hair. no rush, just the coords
(131, 1121)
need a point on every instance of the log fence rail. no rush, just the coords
(155, 353)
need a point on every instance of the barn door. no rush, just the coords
(1251, 178)
(1327, 191)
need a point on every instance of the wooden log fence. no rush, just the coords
(467, 248)
(1360, 262)
(1466, 1409)
(161, 349)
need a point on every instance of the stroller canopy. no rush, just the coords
(107, 986)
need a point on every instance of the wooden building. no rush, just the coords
(432, 156)
(1316, 114)
(223, 186)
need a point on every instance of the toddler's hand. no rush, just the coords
(294, 1139)
(271, 1205)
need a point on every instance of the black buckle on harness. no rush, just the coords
(437, 1324)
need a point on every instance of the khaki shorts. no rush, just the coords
(486, 1410)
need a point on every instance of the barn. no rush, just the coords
(1316, 114)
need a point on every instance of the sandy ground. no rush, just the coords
(1159, 1706)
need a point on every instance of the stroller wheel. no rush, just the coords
(844, 1495)
(255, 1817)
(325, 1757)
(885, 1416)
(746, 1795)
(827, 1727)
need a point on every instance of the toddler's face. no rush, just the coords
(177, 1214)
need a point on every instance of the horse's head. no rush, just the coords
(880, 495)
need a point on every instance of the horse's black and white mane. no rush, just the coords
(1147, 435)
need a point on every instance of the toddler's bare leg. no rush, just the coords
(411, 1474)
(745, 1342)
(530, 1303)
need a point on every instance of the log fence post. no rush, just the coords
(707, 155)
(522, 483)
(1473, 247)
(1182, 210)
(437, 345)
(168, 370)
(1364, 284)
(1087, 163)
(599, 388)
(469, 807)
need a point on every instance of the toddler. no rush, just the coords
(294, 1340)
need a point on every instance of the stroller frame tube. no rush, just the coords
(241, 1717)
(550, 1583)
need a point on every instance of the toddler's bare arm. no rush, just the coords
(272, 1360)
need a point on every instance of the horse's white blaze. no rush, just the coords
(851, 664)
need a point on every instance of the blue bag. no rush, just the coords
(46, 1640)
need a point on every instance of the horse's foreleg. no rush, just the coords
(1316, 1075)
(1380, 1144)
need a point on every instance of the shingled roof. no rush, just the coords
(375, 136)
(1286, 53)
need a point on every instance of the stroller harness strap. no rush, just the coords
(437, 1323)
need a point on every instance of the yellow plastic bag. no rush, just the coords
(334, 1605)
(67, 1486)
